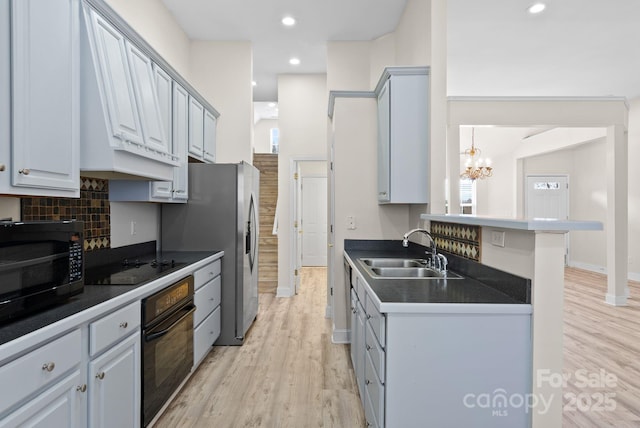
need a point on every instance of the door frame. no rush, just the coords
(294, 191)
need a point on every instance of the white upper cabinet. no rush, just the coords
(144, 85)
(39, 75)
(403, 136)
(181, 141)
(122, 128)
(209, 137)
(164, 189)
(111, 50)
(196, 128)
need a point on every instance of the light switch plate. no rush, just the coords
(497, 238)
(351, 222)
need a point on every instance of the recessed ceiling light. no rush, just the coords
(288, 21)
(271, 105)
(536, 8)
(294, 61)
(254, 83)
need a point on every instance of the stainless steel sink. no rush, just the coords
(390, 268)
(389, 263)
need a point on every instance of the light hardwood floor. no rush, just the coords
(289, 374)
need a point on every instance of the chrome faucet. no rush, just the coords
(438, 261)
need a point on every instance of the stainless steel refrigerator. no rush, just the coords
(222, 214)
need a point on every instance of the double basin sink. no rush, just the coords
(399, 268)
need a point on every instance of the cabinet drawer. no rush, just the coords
(32, 372)
(111, 328)
(369, 413)
(206, 300)
(376, 353)
(377, 321)
(359, 287)
(205, 335)
(374, 390)
(206, 274)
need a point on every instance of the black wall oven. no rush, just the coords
(167, 344)
(41, 264)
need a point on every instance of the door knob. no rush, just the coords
(24, 171)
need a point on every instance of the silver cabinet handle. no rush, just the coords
(49, 366)
(368, 316)
(124, 324)
(212, 299)
(2, 167)
(24, 171)
(211, 273)
(367, 382)
(368, 348)
(100, 375)
(82, 388)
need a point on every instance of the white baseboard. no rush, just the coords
(614, 300)
(284, 292)
(341, 336)
(328, 312)
(632, 276)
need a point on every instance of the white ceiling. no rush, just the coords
(318, 21)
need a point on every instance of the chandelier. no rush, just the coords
(475, 167)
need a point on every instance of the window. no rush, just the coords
(274, 137)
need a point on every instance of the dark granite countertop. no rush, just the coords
(480, 284)
(91, 296)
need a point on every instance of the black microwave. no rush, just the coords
(41, 264)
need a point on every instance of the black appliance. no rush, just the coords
(41, 264)
(167, 344)
(131, 271)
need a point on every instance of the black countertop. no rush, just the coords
(91, 295)
(480, 283)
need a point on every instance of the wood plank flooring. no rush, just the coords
(599, 337)
(289, 374)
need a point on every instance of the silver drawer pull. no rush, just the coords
(100, 375)
(368, 316)
(49, 366)
(124, 324)
(24, 171)
(212, 299)
(367, 382)
(368, 348)
(2, 167)
(211, 273)
(82, 388)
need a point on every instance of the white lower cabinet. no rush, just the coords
(114, 386)
(206, 321)
(61, 405)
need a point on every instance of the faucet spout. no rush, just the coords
(405, 238)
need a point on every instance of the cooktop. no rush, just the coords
(130, 272)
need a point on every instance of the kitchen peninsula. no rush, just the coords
(535, 249)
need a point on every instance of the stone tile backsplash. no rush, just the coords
(460, 239)
(92, 208)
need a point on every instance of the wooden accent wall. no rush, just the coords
(268, 246)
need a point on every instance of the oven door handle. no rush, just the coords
(153, 336)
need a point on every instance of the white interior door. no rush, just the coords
(548, 197)
(314, 221)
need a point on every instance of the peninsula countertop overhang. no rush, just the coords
(530, 224)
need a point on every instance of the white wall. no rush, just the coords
(146, 218)
(262, 135)
(302, 104)
(313, 168)
(10, 208)
(413, 34)
(221, 72)
(154, 23)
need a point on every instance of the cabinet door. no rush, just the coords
(196, 128)
(180, 141)
(5, 88)
(147, 99)
(383, 144)
(163, 189)
(45, 94)
(62, 405)
(116, 80)
(209, 137)
(114, 386)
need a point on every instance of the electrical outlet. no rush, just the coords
(133, 228)
(351, 222)
(497, 238)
